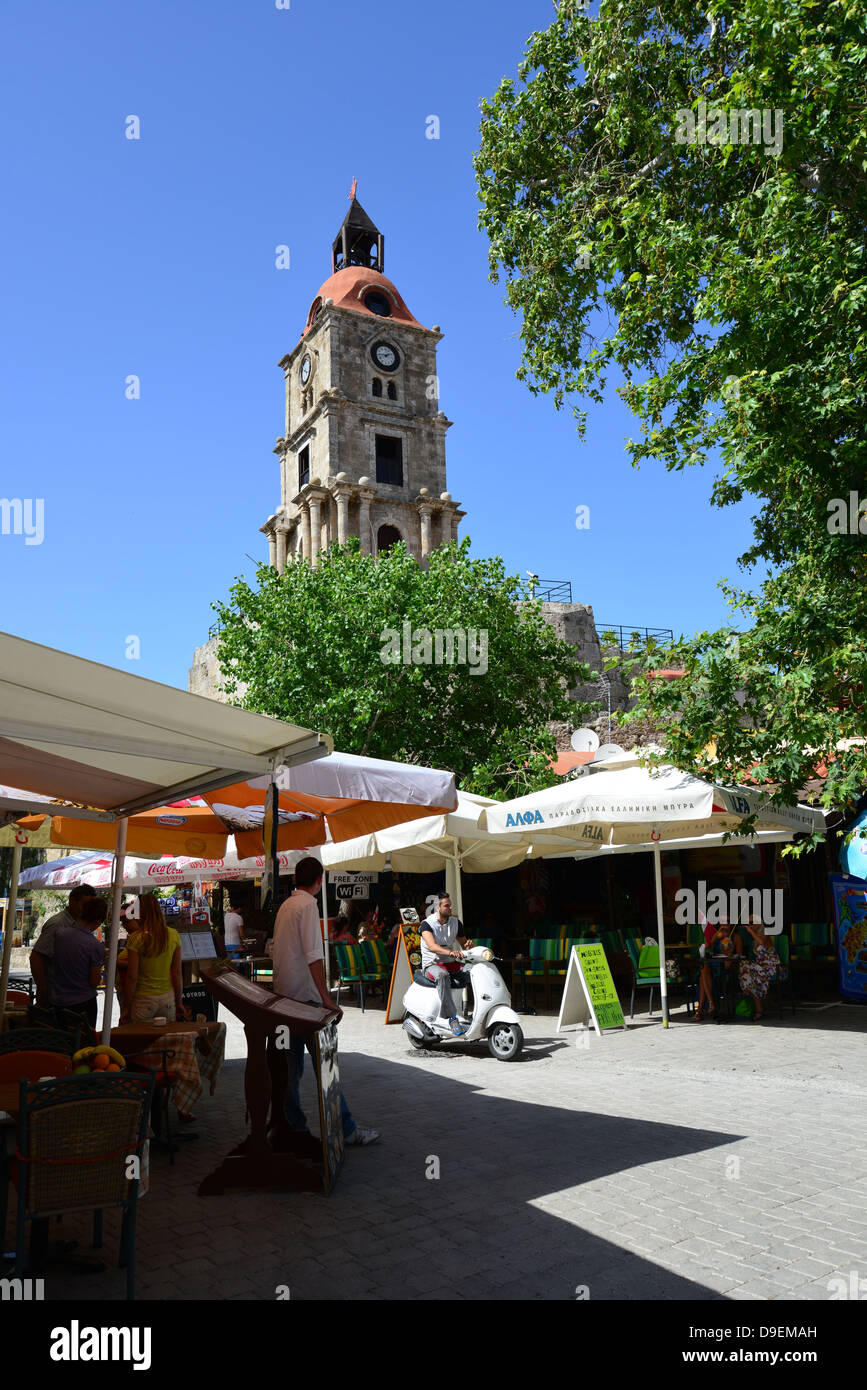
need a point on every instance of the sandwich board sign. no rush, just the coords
(589, 996)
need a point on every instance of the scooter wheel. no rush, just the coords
(418, 1043)
(505, 1041)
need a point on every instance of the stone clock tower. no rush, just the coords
(363, 449)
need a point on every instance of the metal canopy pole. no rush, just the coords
(9, 927)
(660, 926)
(325, 935)
(116, 899)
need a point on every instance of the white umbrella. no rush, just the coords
(645, 809)
(453, 841)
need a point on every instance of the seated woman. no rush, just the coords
(722, 946)
(341, 931)
(369, 927)
(756, 974)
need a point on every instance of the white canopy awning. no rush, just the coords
(77, 731)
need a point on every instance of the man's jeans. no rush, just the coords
(442, 978)
(295, 1117)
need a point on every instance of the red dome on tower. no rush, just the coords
(357, 281)
(366, 291)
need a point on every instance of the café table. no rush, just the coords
(198, 1053)
(722, 972)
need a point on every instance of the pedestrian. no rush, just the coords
(233, 931)
(756, 974)
(77, 961)
(297, 952)
(152, 987)
(42, 954)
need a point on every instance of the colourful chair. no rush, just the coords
(352, 970)
(645, 973)
(376, 962)
(544, 951)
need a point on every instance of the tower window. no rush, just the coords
(386, 537)
(304, 468)
(377, 386)
(389, 460)
(392, 391)
(378, 303)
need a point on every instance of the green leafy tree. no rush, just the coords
(676, 194)
(326, 647)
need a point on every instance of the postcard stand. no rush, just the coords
(274, 1159)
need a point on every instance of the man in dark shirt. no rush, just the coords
(78, 960)
(42, 955)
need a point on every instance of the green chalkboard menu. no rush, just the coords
(589, 995)
(603, 995)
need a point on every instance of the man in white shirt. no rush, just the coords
(233, 930)
(442, 936)
(299, 973)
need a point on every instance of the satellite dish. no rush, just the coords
(584, 741)
(609, 750)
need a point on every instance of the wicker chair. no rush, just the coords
(75, 1139)
(37, 1040)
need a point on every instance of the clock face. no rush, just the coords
(306, 368)
(385, 357)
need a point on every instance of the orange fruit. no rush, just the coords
(100, 1062)
(112, 1066)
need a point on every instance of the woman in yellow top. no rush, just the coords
(152, 987)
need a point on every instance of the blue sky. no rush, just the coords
(156, 257)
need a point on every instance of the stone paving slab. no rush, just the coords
(701, 1162)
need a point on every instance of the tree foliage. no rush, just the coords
(723, 284)
(313, 646)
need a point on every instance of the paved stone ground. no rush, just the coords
(698, 1162)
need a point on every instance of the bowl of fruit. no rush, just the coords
(88, 1061)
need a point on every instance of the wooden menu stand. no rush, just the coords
(260, 1161)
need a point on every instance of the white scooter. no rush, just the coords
(492, 1016)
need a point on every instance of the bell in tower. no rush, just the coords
(358, 242)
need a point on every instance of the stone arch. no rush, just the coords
(387, 536)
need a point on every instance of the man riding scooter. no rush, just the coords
(440, 960)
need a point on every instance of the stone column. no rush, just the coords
(425, 511)
(366, 495)
(272, 549)
(305, 530)
(281, 549)
(342, 494)
(318, 495)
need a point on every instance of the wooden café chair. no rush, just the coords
(75, 1138)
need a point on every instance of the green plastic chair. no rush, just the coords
(377, 962)
(645, 972)
(544, 951)
(812, 941)
(352, 969)
(613, 940)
